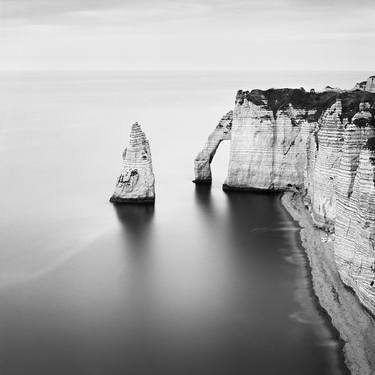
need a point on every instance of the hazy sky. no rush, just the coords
(190, 34)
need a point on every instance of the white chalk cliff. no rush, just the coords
(281, 135)
(136, 183)
(321, 145)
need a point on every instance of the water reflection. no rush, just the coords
(252, 209)
(182, 289)
(203, 194)
(268, 282)
(136, 221)
(136, 217)
(203, 199)
(247, 212)
(189, 288)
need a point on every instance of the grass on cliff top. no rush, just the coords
(277, 99)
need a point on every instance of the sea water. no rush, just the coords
(204, 282)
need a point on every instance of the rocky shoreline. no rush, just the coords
(318, 148)
(321, 144)
(355, 325)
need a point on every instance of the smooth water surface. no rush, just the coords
(204, 282)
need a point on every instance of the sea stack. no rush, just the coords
(136, 183)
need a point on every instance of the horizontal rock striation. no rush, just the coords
(323, 145)
(136, 183)
(329, 139)
(355, 250)
(355, 218)
(202, 162)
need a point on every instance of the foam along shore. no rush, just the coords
(136, 183)
(355, 325)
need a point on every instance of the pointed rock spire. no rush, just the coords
(136, 183)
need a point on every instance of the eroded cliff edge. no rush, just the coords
(321, 145)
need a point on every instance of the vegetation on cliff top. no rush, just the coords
(277, 99)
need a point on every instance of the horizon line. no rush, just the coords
(181, 70)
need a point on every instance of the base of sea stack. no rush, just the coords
(119, 200)
(202, 182)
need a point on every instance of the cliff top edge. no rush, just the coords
(278, 99)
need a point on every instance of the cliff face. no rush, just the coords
(355, 219)
(357, 268)
(136, 181)
(355, 233)
(328, 137)
(268, 146)
(323, 145)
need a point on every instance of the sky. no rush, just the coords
(184, 35)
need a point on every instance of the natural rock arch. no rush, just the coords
(202, 162)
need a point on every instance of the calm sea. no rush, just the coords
(203, 283)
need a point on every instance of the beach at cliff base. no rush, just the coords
(355, 325)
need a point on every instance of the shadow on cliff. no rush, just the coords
(136, 221)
